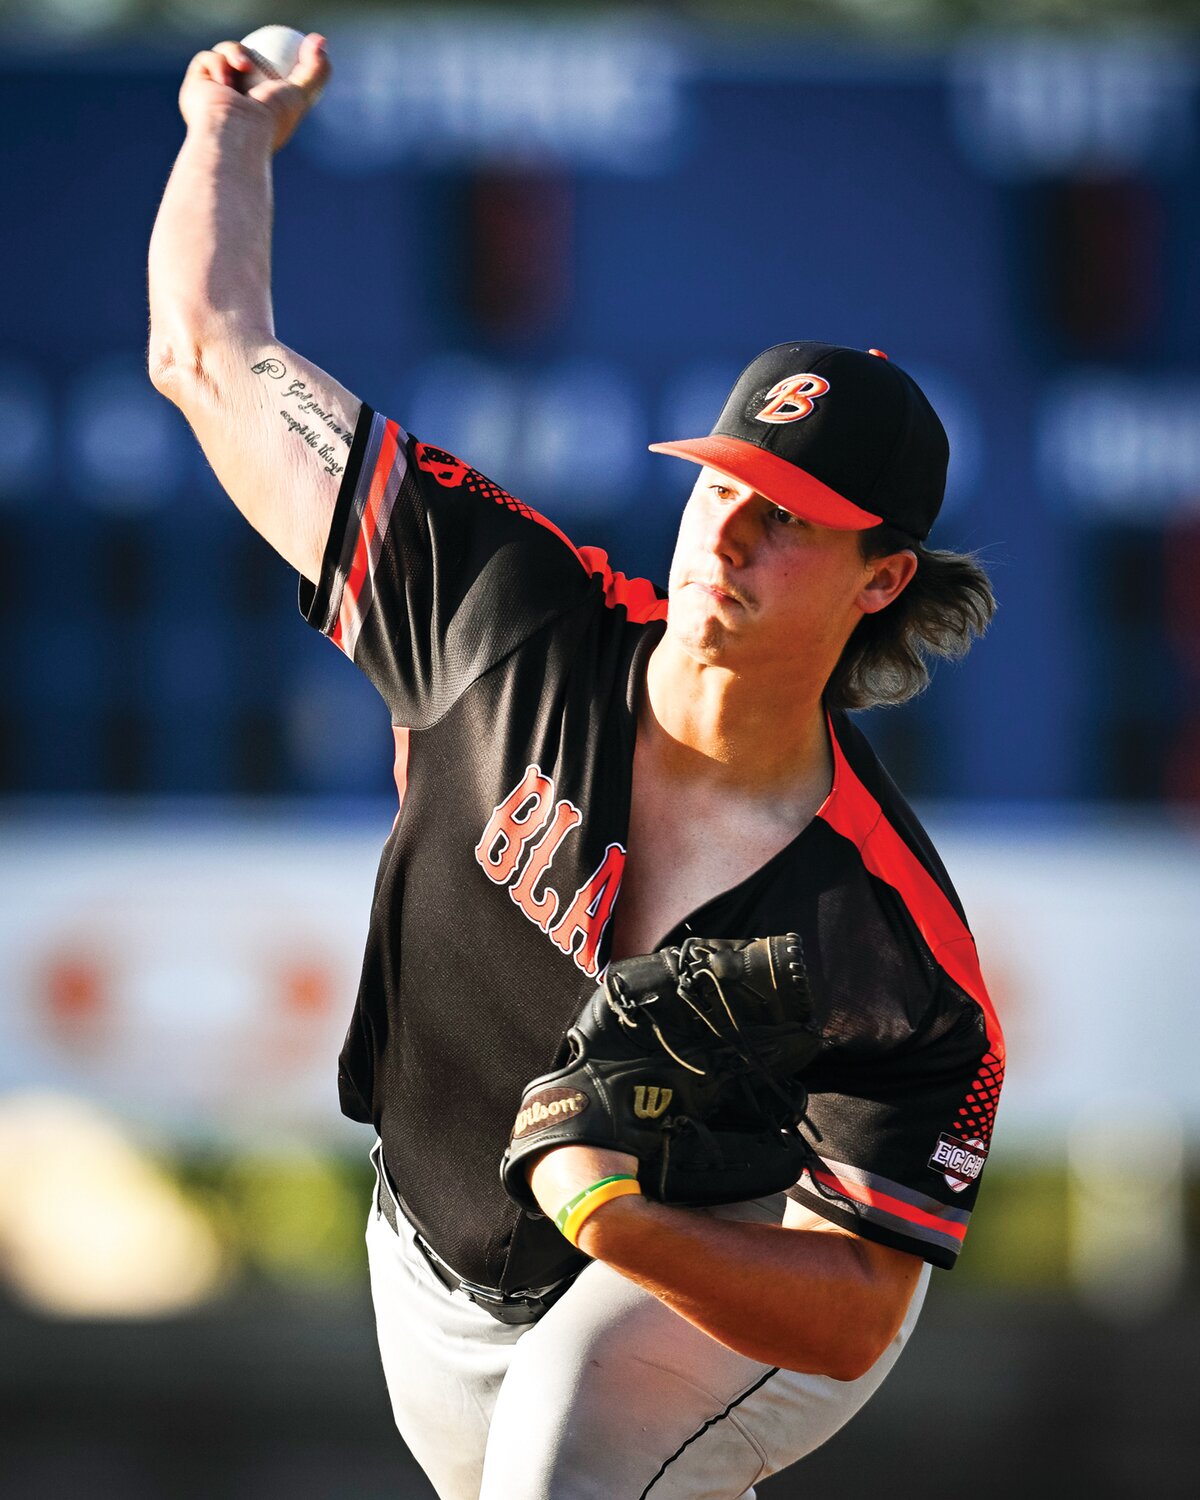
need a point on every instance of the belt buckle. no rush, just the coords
(525, 1306)
(506, 1307)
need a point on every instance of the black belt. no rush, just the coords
(524, 1306)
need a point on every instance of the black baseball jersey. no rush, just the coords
(513, 662)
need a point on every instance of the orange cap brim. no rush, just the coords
(775, 478)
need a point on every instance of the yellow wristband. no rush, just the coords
(573, 1214)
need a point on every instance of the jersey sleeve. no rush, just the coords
(904, 1129)
(432, 573)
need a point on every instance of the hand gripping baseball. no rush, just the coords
(216, 81)
(690, 1059)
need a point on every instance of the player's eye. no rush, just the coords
(783, 517)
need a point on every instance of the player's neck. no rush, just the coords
(756, 736)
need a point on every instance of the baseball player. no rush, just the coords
(592, 768)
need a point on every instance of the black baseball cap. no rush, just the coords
(842, 437)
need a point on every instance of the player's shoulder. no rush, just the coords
(867, 807)
(473, 497)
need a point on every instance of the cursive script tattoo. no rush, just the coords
(315, 431)
(325, 451)
(309, 404)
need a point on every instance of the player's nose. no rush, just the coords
(730, 529)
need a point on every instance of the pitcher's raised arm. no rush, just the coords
(274, 427)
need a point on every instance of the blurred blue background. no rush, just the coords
(546, 244)
(543, 239)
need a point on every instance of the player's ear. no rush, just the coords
(890, 575)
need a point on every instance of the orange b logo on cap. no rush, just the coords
(793, 398)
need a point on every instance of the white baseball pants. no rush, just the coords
(609, 1396)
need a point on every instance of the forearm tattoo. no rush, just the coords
(315, 425)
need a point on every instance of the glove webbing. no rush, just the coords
(692, 954)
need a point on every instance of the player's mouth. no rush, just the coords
(719, 591)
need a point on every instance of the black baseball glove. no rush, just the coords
(691, 1060)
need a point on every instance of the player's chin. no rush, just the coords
(703, 612)
(708, 640)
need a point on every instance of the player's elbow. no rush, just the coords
(846, 1358)
(866, 1338)
(177, 368)
(852, 1359)
(872, 1316)
(849, 1346)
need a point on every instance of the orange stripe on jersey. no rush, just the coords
(851, 811)
(637, 595)
(873, 1198)
(376, 495)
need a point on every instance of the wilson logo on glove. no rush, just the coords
(550, 1107)
(650, 1101)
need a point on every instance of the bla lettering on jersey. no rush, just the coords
(541, 910)
(589, 911)
(505, 856)
(514, 823)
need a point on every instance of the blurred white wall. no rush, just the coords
(198, 977)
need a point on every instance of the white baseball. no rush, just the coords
(274, 50)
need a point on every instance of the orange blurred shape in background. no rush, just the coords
(75, 992)
(306, 988)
